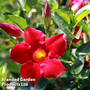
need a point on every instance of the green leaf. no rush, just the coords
(84, 74)
(3, 73)
(78, 66)
(63, 14)
(62, 24)
(81, 16)
(18, 20)
(82, 13)
(85, 27)
(83, 50)
(78, 33)
(41, 84)
(52, 1)
(12, 66)
(4, 33)
(22, 2)
(31, 3)
(53, 6)
(7, 13)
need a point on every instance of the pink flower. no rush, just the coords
(11, 30)
(75, 5)
(87, 62)
(39, 56)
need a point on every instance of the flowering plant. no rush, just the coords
(45, 45)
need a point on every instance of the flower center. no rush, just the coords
(39, 55)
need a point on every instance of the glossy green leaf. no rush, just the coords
(52, 1)
(53, 6)
(3, 73)
(18, 20)
(31, 3)
(41, 84)
(78, 33)
(62, 14)
(84, 74)
(12, 66)
(85, 27)
(81, 16)
(4, 34)
(82, 13)
(78, 66)
(83, 50)
(62, 24)
(22, 2)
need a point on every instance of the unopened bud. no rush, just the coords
(12, 30)
(47, 12)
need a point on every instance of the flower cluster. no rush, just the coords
(37, 55)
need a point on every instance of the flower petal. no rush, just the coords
(34, 37)
(30, 70)
(12, 30)
(21, 52)
(55, 46)
(52, 68)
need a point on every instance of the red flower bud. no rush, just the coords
(12, 30)
(47, 12)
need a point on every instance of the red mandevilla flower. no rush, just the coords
(11, 30)
(75, 5)
(39, 56)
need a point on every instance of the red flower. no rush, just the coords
(39, 56)
(11, 30)
(75, 5)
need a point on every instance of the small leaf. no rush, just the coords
(83, 50)
(22, 2)
(78, 33)
(84, 74)
(81, 16)
(80, 11)
(12, 66)
(62, 24)
(7, 13)
(52, 1)
(85, 27)
(31, 3)
(78, 66)
(62, 14)
(18, 20)
(41, 84)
